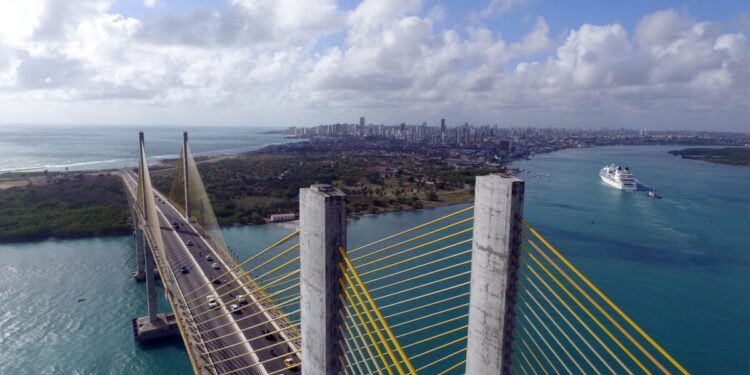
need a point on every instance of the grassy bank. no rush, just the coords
(727, 155)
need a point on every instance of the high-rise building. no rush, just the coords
(442, 130)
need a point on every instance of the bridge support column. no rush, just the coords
(498, 208)
(185, 178)
(140, 254)
(322, 232)
(150, 282)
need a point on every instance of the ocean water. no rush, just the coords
(90, 147)
(679, 266)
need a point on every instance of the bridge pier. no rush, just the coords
(185, 180)
(322, 233)
(140, 258)
(498, 209)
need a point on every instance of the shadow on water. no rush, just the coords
(174, 342)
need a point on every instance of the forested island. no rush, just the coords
(66, 205)
(726, 155)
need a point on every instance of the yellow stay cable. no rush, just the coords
(443, 259)
(536, 359)
(525, 359)
(285, 303)
(441, 359)
(361, 337)
(423, 235)
(578, 319)
(449, 369)
(551, 319)
(597, 306)
(278, 280)
(544, 340)
(431, 252)
(539, 349)
(420, 307)
(366, 327)
(611, 304)
(425, 295)
(587, 311)
(349, 354)
(353, 270)
(447, 344)
(258, 301)
(408, 279)
(544, 325)
(277, 243)
(372, 320)
(243, 274)
(352, 251)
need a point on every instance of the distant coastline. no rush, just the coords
(727, 155)
(379, 177)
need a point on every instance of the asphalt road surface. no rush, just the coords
(235, 340)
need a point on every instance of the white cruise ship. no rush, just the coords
(617, 177)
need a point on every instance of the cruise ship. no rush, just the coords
(617, 177)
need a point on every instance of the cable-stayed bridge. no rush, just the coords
(477, 291)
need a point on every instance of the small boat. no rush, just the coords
(652, 194)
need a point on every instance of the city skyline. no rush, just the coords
(678, 65)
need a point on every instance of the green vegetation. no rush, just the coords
(245, 189)
(249, 188)
(68, 207)
(727, 155)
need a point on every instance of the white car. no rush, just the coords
(215, 265)
(211, 297)
(235, 308)
(241, 299)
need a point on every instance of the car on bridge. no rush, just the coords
(215, 266)
(184, 270)
(289, 362)
(235, 308)
(211, 299)
(241, 299)
(189, 243)
(209, 258)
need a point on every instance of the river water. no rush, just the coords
(679, 266)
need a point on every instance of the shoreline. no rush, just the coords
(361, 204)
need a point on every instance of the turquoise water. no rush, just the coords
(86, 148)
(679, 266)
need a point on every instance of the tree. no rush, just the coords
(433, 196)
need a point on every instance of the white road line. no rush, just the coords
(203, 275)
(244, 287)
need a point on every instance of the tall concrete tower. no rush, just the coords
(442, 130)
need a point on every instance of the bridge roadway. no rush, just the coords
(236, 340)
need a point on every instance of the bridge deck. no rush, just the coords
(237, 339)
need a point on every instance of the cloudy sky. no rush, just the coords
(649, 63)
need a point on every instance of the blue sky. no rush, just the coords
(654, 64)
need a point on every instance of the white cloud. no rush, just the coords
(495, 7)
(390, 59)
